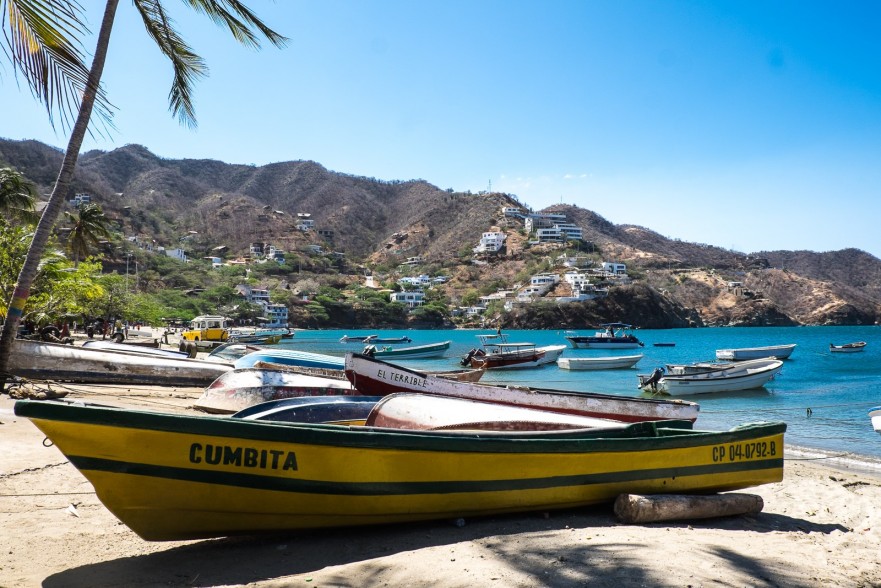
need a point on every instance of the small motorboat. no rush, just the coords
(847, 347)
(417, 352)
(664, 344)
(875, 415)
(613, 336)
(598, 363)
(697, 379)
(747, 353)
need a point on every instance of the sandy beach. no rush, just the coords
(820, 527)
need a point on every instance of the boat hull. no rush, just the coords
(875, 415)
(241, 388)
(598, 363)
(209, 477)
(290, 357)
(748, 353)
(377, 378)
(848, 348)
(603, 343)
(687, 385)
(419, 352)
(52, 361)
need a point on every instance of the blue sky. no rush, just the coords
(748, 125)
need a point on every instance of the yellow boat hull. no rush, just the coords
(171, 477)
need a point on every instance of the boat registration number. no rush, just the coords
(745, 451)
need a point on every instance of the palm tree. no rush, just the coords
(18, 196)
(89, 226)
(42, 39)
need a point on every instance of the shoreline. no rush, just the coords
(819, 526)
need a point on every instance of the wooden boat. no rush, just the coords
(875, 415)
(238, 389)
(377, 378)
(417, 352)
(375, 339)
(126, 348)
(177, 477)
(497, 353)
(290, 357)
(613, 336)
(847, 347)
(422, 412)
(337, 410)
(53, 361)
(747, 375)
(746, 353)
(246, 387)
(598, 363)
(229, 352)
(356, 338)
(255, 339)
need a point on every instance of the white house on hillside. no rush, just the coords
(491, 242)
(614, 268)
(411, 299)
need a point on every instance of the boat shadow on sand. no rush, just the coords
(529, 544)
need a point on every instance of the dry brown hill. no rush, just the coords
(384, 223)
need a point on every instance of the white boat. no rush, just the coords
(734, 377)
(423, 412)
(377, 378)
(847, 347)
(53, 361)
(241, 388)
(746, 353)
(875, 415)
(613, 336)
(497, 353)
(125, 348)
(598, 363)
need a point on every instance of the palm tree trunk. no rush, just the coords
(59, 192)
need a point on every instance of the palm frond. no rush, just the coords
(42, 41)
(187, 66)
(239, 19)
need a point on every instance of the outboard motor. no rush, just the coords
(466, 361)
(654, 379)
(370, 351)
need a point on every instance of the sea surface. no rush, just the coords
(823, 397)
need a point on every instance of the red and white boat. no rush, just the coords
(497, 353)
(373, 377)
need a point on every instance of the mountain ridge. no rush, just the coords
(385, 222)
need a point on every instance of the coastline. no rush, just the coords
(820, 526)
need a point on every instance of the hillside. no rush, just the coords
(208, 203)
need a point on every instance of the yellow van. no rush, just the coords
(207, 328)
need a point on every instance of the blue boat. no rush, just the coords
(312, 409)
(290, 357)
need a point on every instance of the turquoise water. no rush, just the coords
(839, 388)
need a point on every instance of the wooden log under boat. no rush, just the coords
(635, 508)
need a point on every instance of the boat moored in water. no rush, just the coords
(847, 347)
(599, 363)
(697, 379)
(613, 336)
(747, 353)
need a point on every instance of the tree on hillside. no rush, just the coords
(18, 196)
(42, 38)
(89, 226)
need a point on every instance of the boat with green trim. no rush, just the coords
(417, 352)
(179, 476)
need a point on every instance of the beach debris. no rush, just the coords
(29, 391)
(636, 508)
(72, 510)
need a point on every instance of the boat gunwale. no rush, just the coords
(649, 435)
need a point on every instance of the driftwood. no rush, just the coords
(636, 508)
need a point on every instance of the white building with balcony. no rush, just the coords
(491, 242)
(410, 299)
